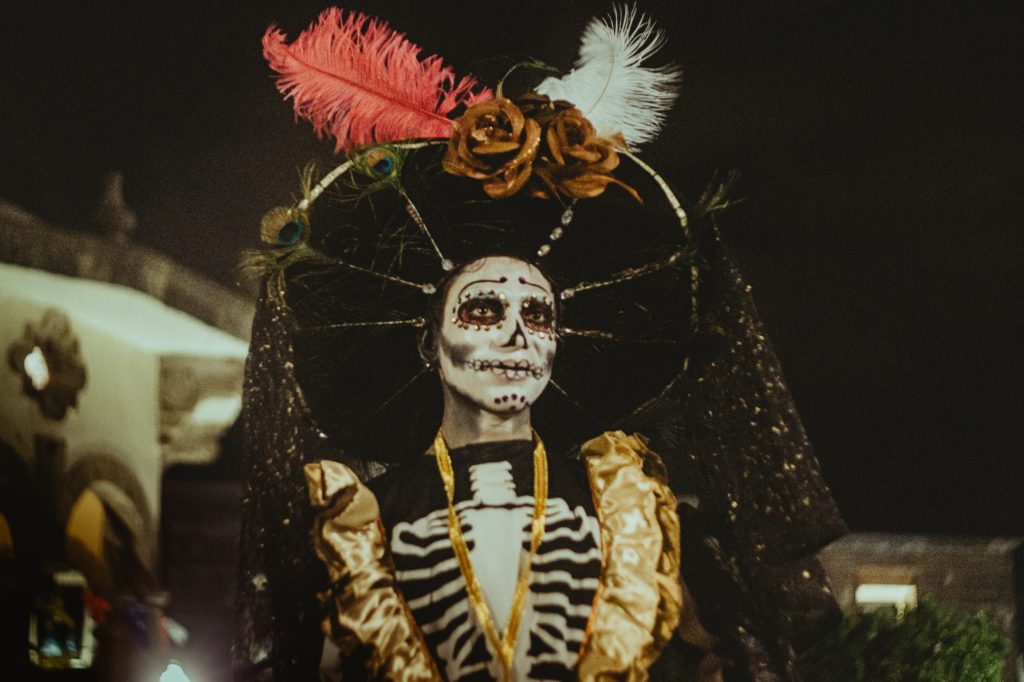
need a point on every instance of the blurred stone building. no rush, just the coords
(119, 364)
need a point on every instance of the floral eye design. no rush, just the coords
(484, 311)
(538, 314)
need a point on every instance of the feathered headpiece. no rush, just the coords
(363, 260)
(611, 85)
(362, 83)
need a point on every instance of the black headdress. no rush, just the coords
(622, 270)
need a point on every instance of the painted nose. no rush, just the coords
(518, 338)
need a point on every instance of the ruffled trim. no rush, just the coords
(639, 599)
(364, 606)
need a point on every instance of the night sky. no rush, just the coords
(880, 146)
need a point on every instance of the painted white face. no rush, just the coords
(497, 343)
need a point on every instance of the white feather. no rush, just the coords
(611, 86)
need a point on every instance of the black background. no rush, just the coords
(880, 146)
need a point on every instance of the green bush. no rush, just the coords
(931, 643)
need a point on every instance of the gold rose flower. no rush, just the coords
(575, 162)
(496, 143)
(541, 108)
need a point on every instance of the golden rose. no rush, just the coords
(541, 108)
(494, 142)
(576, 162)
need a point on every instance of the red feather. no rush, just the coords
(356, 79)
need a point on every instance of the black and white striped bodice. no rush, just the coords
(494, 501)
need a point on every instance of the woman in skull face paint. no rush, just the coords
(486, 559)
(494, 344)
(500, 561)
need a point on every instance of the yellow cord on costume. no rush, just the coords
(505, 643)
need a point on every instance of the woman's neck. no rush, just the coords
(465, 423)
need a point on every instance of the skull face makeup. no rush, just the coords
(496, 340)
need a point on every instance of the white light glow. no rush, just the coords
(36, 368)
(217, 410)
(173, 673)
(900, 596)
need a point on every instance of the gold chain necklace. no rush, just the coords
(504, 644)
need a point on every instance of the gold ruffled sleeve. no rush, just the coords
(364, 606)
(639, 599)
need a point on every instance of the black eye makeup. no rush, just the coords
(481, 311)
(538, 314)
(484, 309)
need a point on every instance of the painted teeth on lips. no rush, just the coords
(510, 369)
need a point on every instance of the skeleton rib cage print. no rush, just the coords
(495, 511)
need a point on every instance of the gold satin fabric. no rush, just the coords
(639, 599)
(364, 606)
